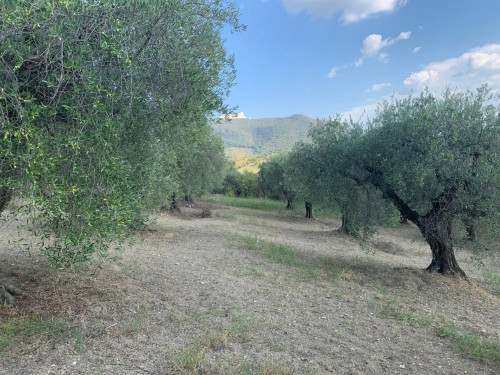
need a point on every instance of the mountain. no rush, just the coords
(245, 137)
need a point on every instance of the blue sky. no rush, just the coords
(322, 57)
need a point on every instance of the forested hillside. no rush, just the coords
(246, 137)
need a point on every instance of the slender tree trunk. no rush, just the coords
(437, 232)
(470, 229)
(309, 210)
(289, 204)
(345, 222)
(173, 203)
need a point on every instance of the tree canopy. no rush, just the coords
(434, 157)
(105, 110)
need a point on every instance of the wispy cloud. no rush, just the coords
(374, 43)
(472, 69)
(352, 10)
(372, 46)
(335, 69)
(378, 87)
(333, 72)
(416, 49)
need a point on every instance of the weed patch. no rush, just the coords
(241, 327)
(19, 328)
(268, 367)
(470, 344)
(213, 340)
(493, 279)
(306, 267)
(391, 309)
(253, 203)
(192, 360)
(474, 346)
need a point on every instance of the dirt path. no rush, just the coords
(192, 297)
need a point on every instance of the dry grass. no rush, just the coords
(268, 301)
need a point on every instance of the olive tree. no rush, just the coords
(272, 179)
(437, 159)
(312, 171)
(91, 94)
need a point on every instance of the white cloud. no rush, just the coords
(374, 43)
(470, 70)
(360, 113)
(383, 57)
(416, 49)
(421, 78)
(359, 62)
(352, 10)
(334, 70)
(378, 87)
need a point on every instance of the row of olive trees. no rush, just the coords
(435, 160)
(104, 110)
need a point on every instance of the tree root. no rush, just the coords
(450, 272)
(7, 293)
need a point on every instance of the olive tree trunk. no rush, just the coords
(437, 230)
(308, 210)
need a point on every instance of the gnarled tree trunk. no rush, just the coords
(436, 230)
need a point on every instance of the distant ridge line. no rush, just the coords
(247, 136)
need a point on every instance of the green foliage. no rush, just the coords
(313, 172)
(272, 179)
(242, 185)
(434, 158)
(104, 111)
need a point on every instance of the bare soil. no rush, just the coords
(188, 290)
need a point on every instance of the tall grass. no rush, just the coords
(254, 203)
